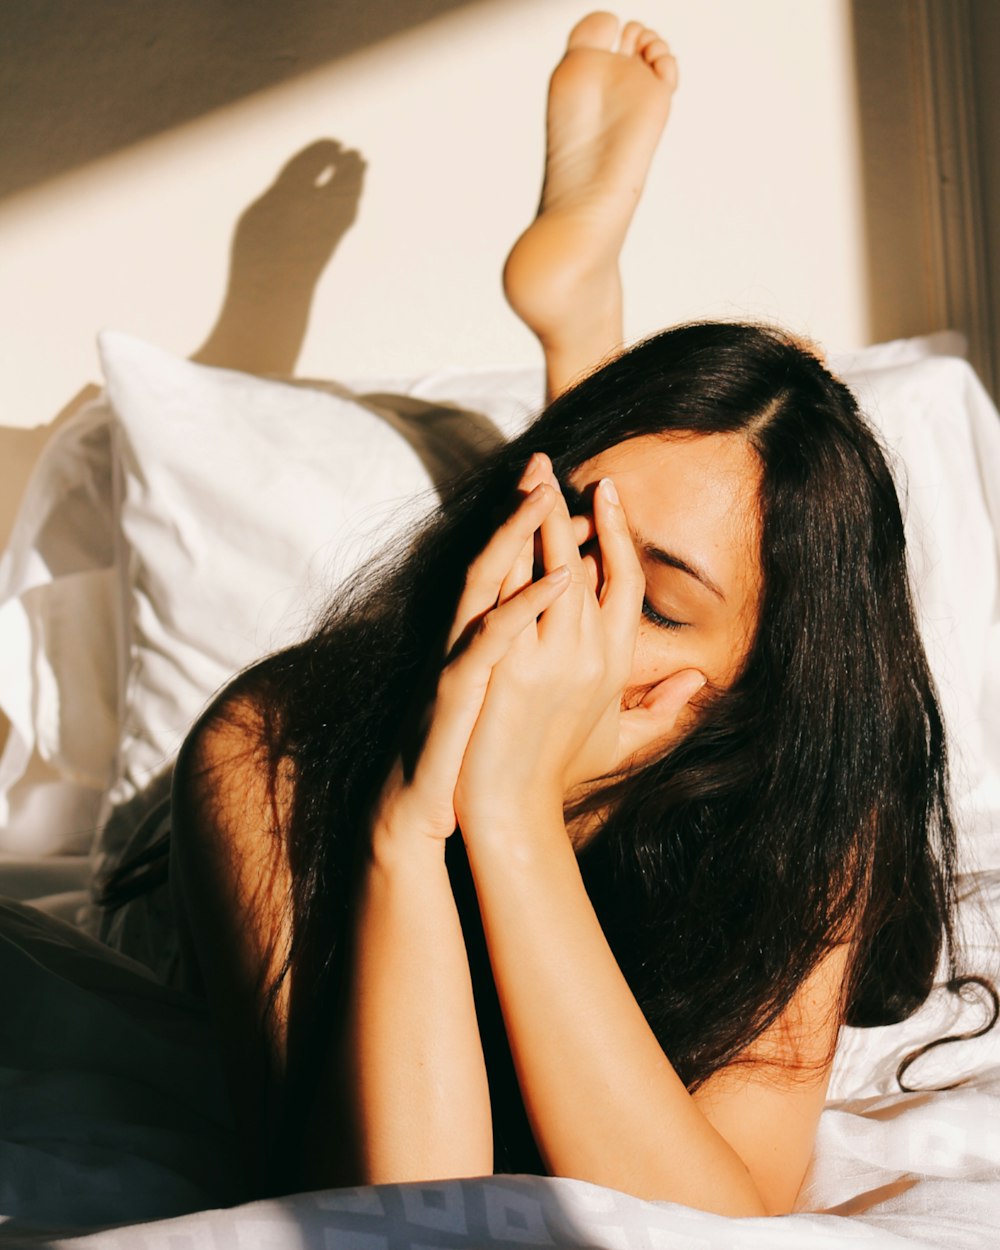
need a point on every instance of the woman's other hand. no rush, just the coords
(552, 716)
(420, 800)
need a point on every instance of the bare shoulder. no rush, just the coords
(768, 1108)
(229, 760)
(233, 799)
(232, 804)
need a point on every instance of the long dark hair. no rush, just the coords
(810, 802)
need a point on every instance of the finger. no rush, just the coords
(584, 532)
(654, 721)
(558, 538)
(538, 469)
(559, 549)
(521, 572)
(487, 572)
(624, 584)
(592, 571)
(463, 683)
(501, 626)
(583, 528)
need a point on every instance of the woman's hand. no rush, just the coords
(552, 718)
(490, 615)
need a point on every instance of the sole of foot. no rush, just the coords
(609, 99)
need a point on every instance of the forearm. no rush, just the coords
(604, 1102)
(412, 1063)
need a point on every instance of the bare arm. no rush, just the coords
(413, 1061)
(408, 1072)
(404, 1093)
(604, 1101)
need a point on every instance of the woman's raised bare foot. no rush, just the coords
(607, 108)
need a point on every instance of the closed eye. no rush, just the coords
(661, 622)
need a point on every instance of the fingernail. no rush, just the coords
(610, 490)
(538, 490)
(560, 574)
(532, 464)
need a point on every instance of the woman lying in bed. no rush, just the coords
(574, 833)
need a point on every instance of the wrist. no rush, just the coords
(392, 846)
(520, 828)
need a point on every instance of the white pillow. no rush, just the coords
(943, 434)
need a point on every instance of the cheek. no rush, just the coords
(658, 653)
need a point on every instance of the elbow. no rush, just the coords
(735, 1194)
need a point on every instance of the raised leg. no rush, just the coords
(609, 98)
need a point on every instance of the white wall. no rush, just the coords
(754, 206)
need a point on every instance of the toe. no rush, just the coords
(596, 30)
(665, 67)
(654, 49)
(630, 37)
(646, 37)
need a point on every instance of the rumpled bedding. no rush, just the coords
(112, 1095)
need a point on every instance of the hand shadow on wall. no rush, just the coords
(282, 243)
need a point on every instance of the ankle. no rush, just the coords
(578, 348)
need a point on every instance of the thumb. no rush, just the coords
(656, 716)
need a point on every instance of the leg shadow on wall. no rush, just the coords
(282, 243)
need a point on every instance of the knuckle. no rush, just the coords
(489, 626)
(474, 575)
(591, 669)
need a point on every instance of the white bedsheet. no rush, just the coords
(111, 1110)
(909, 1173)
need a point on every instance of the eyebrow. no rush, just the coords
(673, 561)
(578, 503)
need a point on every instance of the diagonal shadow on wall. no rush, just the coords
(80, 81)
